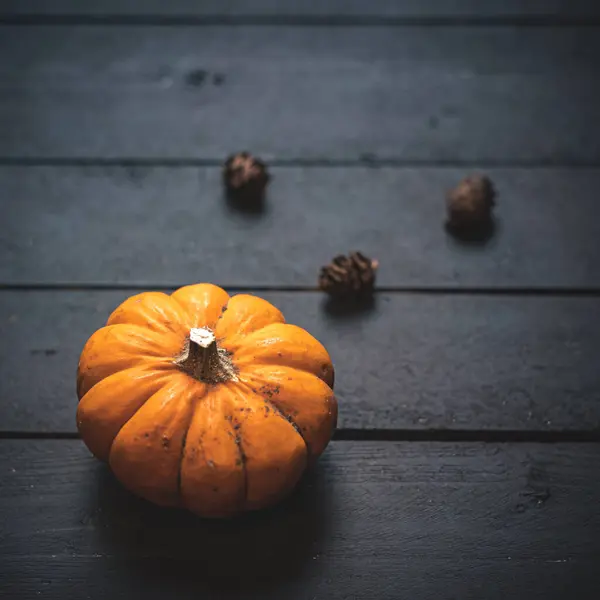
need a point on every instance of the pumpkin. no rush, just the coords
(205, 401)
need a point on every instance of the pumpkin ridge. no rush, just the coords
(160, 383)
(200, 442)
(114, 348)
(238, 443)
(129, 448)
(156, 311)
(195, 401)
(289, 419)
(238, 437)
(206, 288)
(278, 411)
(232, 430)
(273, 345)
(159, 389)
(180, 463)
(244, 315)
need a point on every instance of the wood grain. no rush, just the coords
(380, 8)
(441, 94)
(168, 226)
(373, 520)
(410, 362)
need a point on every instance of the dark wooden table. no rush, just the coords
(467, 462)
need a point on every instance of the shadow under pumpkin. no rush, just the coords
(172, 547)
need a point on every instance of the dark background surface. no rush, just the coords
(466, 463)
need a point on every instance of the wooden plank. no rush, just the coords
(375, 520)
(442, 94)
(96, 578)
(165, 226)
(99, 577)
(380, 8)
(412, 362)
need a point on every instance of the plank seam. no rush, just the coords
(585, 292)
(467, 435)
(333, 20)
(498, 436)
(366, 160)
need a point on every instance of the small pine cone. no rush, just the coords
(245, 177)
(351, 275)
(471, 202)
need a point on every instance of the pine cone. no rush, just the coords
(471, 202)
(245, 177)
(350, 275)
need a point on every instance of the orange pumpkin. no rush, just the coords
(204, 401)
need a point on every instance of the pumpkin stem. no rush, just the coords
(204, 360)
